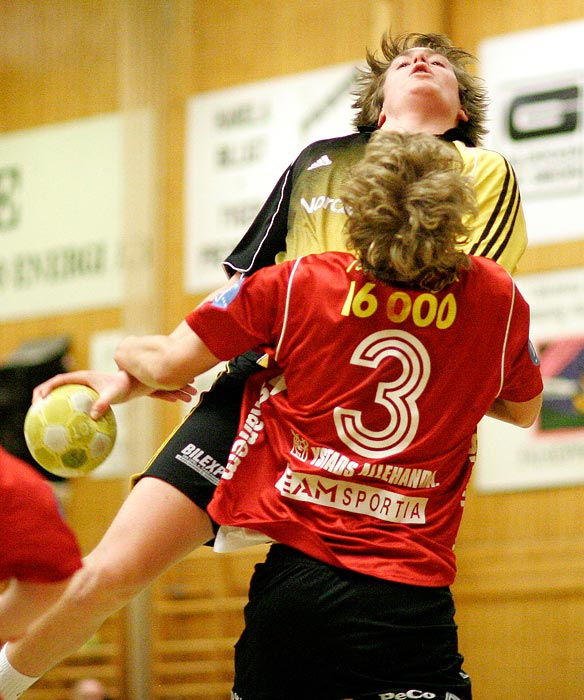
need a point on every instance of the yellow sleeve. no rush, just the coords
(498, 230)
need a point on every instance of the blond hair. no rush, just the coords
(471, 90)
(406, 202)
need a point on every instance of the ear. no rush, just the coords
(462, 115)
(381, 118)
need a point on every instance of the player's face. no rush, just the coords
(420, 78)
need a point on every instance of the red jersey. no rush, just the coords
(36, 545)
(358, 450)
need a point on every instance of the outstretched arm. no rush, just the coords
(162, 366)
(165, 362)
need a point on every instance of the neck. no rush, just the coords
(416, 123)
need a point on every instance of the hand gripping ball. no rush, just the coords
(62, 436)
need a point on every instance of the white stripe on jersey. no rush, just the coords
(507, 336)
(287, 307)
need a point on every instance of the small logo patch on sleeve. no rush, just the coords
(533, 354)
(223, 299)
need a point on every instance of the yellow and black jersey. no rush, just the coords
(305, 214)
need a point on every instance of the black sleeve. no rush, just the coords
(266, 237)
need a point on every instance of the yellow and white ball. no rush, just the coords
(62, 436)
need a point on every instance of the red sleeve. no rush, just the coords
(522, 375)
(36, 546)
(249, 315)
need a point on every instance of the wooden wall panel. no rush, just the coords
(520, 577)
(471, 21)
(535, 660)
(58, 61)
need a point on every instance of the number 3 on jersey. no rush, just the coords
(398, 396)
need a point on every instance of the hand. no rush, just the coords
(184, 394)
(112, 388)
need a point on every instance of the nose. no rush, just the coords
(420, 56)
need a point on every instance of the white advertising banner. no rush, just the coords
(551, 453)
(61, 218)
(239, 141)
(535, 80)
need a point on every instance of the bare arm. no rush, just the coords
(151, 365)
(521, 414)
(169, 363)
(165, 362)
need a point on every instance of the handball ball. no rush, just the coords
(62, 436)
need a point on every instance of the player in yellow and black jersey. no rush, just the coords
(305, 214)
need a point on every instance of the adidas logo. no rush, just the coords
(322, 161)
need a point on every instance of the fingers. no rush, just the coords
(187, 392)
(184, 394)
(44, 389)
(100, 405)
(111, 388)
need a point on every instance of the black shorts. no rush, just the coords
(193, 458)
(316, 632)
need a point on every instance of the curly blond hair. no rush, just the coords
(406, 202)
(371, 81)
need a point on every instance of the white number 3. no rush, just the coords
(397, 396)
